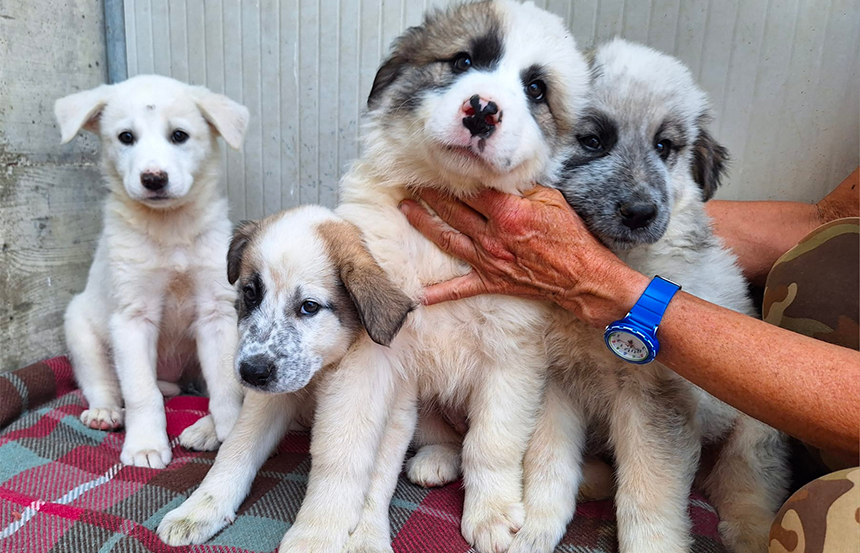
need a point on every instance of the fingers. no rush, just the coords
(454, 212)
(457, 288)
(490, 203)
(448, 239)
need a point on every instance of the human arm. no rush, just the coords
(760, 232)
(537, 247)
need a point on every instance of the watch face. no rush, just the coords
(627, 346)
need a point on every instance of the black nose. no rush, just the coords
(637, 215)
(153, 180)
(481, 121)
(256, 373)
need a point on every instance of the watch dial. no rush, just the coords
(628, 346)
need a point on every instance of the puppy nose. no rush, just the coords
(481, 116)
(153, 180)
(637, 215)
(256, 373)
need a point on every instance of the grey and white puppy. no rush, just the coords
(643, 165)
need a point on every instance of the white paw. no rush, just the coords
(492, 530)
(200, 436)
(106, 418)
(434, 465)
(370, 538)
(308, 538)
(149, 452)
(539, 534)
(168, 389)
(195, 521)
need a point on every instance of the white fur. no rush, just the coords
(484, 355)
(157, 300)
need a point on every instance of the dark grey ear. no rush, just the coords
(710, 159)
(382, 307)
(242, 236)
(387, 74)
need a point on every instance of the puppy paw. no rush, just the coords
(745, 536)
(200, 436)
(434, 465)
(492, 530)
(539, 534)
(369, 538)
(312, 539)
(195, 521)
(150, 452)
(105, 418)
(168, 389)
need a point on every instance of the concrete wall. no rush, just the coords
(49, 194)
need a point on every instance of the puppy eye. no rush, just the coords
(536, 90)
(310, 307)
(461, 63)
(178, 136)
(126, 138)
(664, 148)
(249, 294)
(591, 143)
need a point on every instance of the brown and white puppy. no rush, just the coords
(309, 289)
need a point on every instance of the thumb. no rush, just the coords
(457, 288)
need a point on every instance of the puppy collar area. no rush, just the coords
(634, 338)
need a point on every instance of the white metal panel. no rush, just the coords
(782, 75)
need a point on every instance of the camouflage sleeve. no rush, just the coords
(814, 289)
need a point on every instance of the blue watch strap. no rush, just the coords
(649, 310)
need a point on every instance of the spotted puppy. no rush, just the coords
(309, 289)
(644, 164)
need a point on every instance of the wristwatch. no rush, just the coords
(634, 338)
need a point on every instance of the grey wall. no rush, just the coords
(49, 194)
(782, 76)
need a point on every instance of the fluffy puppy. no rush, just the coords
(157, 306)
(308, 289)
(643, 166)
(483, 94)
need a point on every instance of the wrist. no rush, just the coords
(608, 296)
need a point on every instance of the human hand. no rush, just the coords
(532, 246)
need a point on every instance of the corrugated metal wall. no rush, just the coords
(782, 75)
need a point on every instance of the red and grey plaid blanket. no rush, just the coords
(63, 489)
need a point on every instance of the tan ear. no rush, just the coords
(228, 118)
(80, 110)
(382, 307)
(242, 236)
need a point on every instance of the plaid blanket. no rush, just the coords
(62, 488)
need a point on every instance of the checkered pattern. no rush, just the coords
(62, 488)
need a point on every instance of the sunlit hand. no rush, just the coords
(532, 246)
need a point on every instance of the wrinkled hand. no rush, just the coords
(532, 246)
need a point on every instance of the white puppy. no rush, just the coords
(483, 94)
(157, 304)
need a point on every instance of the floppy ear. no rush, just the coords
(382, 307)
(242, 236)
(387, 74)
(80, 110)
(228, 118)
(709, 163)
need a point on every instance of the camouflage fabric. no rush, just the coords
(821, 517)
(814, 288)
